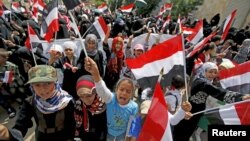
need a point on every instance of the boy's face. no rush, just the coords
(45, 90)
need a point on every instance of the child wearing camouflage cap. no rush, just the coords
(51, 107)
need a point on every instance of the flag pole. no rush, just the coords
(161, 74)
(185, 69)
(224, 106)
(32, 51)
(78, 33)
(87, 31)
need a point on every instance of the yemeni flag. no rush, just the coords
(99, 28)
(195, 34)
(167, 21)
(38, 7)
(156, 126)
(200, 45)
(227, 24)
(7, 77)
(32, 41)
(167, 55)
(17, 7)
(237, 114)
(236, 78)
(127, 8)
(103, 8)
(50, 24)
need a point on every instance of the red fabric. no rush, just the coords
(85, 119)
(154, 126)
(84, 83)
(119, 53)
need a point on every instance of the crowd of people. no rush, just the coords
(92, 97)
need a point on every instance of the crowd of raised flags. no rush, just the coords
(169, 54)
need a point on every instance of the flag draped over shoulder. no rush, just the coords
(156, 126)
(227, 24)
(50, 24)
(237, 114)
(167, 55)
(236, 78)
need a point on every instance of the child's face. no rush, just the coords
(45, 90)
(124, 92)
(69, 52)
(86, 95)
(211, 74)
(91, 45)
(138, 52)
(118, 46)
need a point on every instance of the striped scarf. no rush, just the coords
(59, 101)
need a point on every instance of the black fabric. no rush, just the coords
(69, 78)
(97, 125)
(98, 58)
(200, 90)
(28, 110)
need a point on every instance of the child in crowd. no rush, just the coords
(174, 96)
(119, 104)
(90, 111)
(136, 125)
(51, 107)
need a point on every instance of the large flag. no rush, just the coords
(156, 126)
(227, 24)
(127, 8)
(100, 28)
(50, 24)
(167, 55)
(71, 4)
(237, 78)
(196, 33)
(237, 114)
(33, 40)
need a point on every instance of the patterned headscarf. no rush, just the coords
(204, 68)
(59, 101)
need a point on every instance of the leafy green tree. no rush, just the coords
(183, 7)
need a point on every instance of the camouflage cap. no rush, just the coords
(42, 73)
